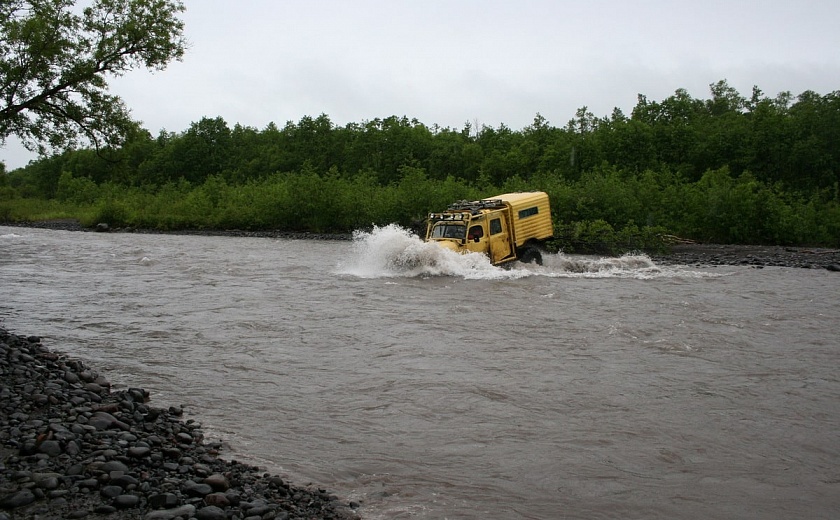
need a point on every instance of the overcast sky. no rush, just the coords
(448, 62)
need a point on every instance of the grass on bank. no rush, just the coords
(40, 210)
(606, 211)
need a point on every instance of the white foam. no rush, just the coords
(395, 252)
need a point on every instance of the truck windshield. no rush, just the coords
(448, 230)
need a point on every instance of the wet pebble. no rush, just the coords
(126, 501)
(185, 511)
(218, 482)
(196, 490)
(18, 499)
(138, 452)
(211, 513)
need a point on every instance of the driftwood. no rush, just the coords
(673, 239)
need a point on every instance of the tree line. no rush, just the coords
(727, 168)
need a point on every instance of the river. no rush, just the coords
(427, 385)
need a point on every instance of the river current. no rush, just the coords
(428, 385)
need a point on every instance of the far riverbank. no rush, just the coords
(697, 254)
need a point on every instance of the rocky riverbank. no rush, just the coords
(71, 448)
(754, 256)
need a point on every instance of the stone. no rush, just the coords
(124, 481)
(51, 448)
(38, 477)
(218, 482)
(114, 465)
(138, 452)
(128, 437)
(138, 394)
(102, 420)
(217, 499)
(257, 508)
(276, 482)
(185, 511)
(233, 497)
(94, 388)
(126, 501)
(172, 453)
(58, 502)
(108, 408)
(47, 483)
(24, 497)
(110, 491)
(211, 513)
(88, 483)
(196, 490)
(163, 501)
(72, 448)
(259, 511)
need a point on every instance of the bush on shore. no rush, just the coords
(605, 211)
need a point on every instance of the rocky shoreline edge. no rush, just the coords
(753, 256)
(71, 448)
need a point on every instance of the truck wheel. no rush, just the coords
(531, 255)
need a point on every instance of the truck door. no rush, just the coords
(500, 243)
(477, 235)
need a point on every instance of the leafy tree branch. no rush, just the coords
(54, 63)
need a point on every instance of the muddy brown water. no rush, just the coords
(427, 385)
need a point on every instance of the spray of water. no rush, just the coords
(394, 252)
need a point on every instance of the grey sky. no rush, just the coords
(491, 61)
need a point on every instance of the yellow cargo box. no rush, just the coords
(531, 215)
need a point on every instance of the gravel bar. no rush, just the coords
(753, 256)
(71, 448)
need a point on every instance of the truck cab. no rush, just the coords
(506, 228)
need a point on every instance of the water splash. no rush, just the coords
(395, 252)
(631, 265)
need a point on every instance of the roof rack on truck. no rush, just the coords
(474, 206)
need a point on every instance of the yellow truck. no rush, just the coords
(507, 227)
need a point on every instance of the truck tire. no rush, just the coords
(530, 255)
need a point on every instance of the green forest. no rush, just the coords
(727, 168)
